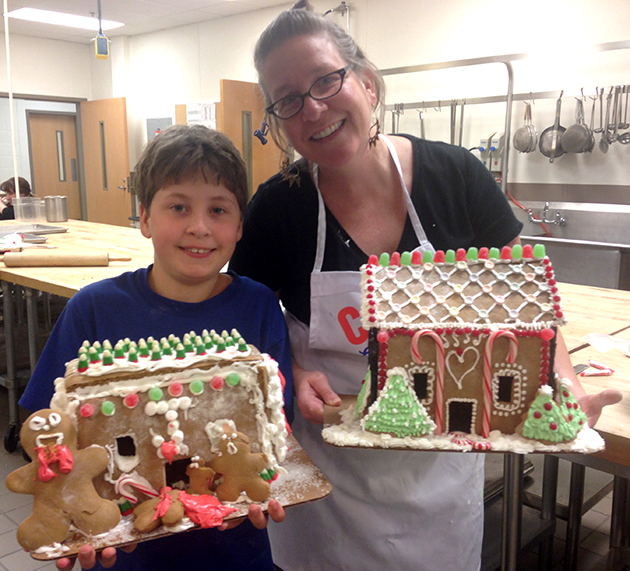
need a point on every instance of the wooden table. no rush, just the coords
(592, 309)
(81, 236)
(589, 310)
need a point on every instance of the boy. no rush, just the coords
(192, 187)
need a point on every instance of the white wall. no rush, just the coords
(159, 70)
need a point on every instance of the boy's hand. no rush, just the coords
(313, 391)
(258, 518)
(87, 557)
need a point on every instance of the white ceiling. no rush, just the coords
(139, 16)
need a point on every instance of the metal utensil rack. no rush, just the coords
(508, 98)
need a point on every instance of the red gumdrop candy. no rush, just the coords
(528, 251)
(439, 257)
(373, 260)
(506, 253)
(547, 334)
(460, 255)
(416, 258)
(395, 259)
(483, 253)
(382, 337)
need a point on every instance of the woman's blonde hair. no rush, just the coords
(301, 20)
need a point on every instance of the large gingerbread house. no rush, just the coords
(158, 406)
(462, 344)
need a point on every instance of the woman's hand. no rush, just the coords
(592, 405)
(87, 557)
(313, 392)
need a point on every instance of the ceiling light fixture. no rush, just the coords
(61, 19)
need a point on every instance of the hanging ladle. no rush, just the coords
(604, 142)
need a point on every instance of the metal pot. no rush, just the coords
(550, 143)
(56, 208)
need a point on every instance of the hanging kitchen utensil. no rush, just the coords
(591, 143)
(550, 143)
(601, 111)
(461, 122)
(615, 115)
(577, 137)
(604, 142)
(421, 114)
(453, 120)
(624, 124)
(523, 135)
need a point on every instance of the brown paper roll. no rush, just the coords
(57, 259)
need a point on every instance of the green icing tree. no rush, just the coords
(575, 416)
(398, 411)
(363, 395)
(545, 420)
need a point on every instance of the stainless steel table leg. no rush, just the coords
(33, 327)
(11, 436)
(574, 518)
(512, 510)
(548, 511)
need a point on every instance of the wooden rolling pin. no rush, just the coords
(58, 259)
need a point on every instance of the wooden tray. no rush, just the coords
(302, 483)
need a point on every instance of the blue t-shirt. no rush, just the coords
(126, 306)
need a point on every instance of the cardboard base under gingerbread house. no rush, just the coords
(302, 483)
(343, 429)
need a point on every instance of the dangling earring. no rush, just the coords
(290, 172)
(374, 138)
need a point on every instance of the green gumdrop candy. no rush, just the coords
(427, 257)
(449, 256)
(472, 253)
(539, 251)
(405, 259)
(494, 254)
(384, 260)
(517, 252)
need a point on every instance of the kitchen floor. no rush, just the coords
(14, 508)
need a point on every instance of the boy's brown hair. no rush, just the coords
(184, 152)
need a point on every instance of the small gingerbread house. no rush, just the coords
(459, 342)
(160, 406)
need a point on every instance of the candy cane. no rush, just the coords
(126, 482)
(487, 373)
(439, 391)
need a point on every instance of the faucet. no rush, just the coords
(558, 220)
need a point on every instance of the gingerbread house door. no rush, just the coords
(461, 415)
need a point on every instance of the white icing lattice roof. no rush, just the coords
(480, 293)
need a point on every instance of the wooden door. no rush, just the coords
(106, 158)
(241, 111)
(53, 149)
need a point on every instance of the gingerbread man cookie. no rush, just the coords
(240, 469)
(60, 479)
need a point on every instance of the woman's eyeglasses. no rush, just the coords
(323, 88)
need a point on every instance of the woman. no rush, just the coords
(6, 204)
(306, 233)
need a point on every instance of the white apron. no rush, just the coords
(389, 510)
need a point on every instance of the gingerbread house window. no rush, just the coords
(421, 385)
(126, 446)
(423, 378)
(176, 476)
(506, 383)
(125, 452)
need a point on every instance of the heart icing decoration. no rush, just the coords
(459, 355)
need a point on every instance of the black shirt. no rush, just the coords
(457, 200)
